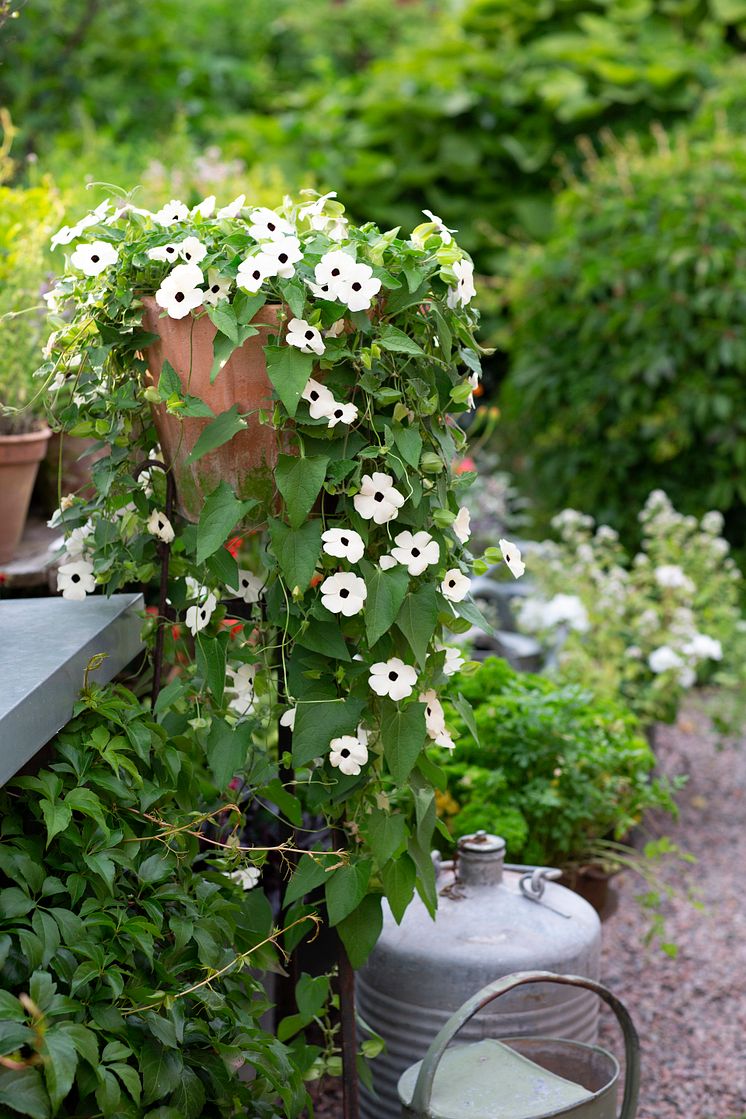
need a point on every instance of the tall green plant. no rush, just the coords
(628, 342)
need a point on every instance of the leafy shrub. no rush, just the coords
(123, 985)
(470, 118)
(629, 339)
(555, 769)
(27, 220)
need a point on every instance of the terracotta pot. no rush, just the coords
(247, 462)
(20, 456)
(594, 884)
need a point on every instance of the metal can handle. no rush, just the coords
(420, 1104)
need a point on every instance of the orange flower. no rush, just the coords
(464, 465)
(234, 545)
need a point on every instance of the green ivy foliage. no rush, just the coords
(553, 768)
(628, 339)
(123, 985)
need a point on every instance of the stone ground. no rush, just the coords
(690, 1011)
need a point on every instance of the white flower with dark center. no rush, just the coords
(703, 648)
(160, 526)
(169, 252)
(461, 526)
(70, 233)
(344, 593)
(197, 617)
(340, 413)
(392, 678)
(233, 209)
(444, 739)
(241, 682)
(455, 585)
(670, 576)
(454, 661)
(75, 580)
(664, 658)
(205, 208)
(174, 211)
(464, 291)
(93, 258)
(359, 287)
(442, 228)
(320, 400)
(304, 337)
(249, 587)
(378, 499)
(343, 543)
(435, 717)
(287, 252)
(179, 292)
(287, 719)
(416, 551)
(253, 271)
(247, 878)
(218, 287)
(79, 542)
(348, 754)
(331, 274)
(192, 250)
(512, 557)
(266, 225)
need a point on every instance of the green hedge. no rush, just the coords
(629, 338)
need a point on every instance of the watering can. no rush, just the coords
(522, 1078)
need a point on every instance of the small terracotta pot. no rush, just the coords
(20, 456)
(594, 884)
(247, 462)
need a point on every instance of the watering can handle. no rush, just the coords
(420, 1104)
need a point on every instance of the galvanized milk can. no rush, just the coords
(521, 1078)
(491, 921)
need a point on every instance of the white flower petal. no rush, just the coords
(343, 543)
(512, 557)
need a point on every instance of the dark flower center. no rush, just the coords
(313, 394)
(344, 593)
(415, 552)
(283, 258)
(338, 414)
(356, 286)
(215, 289)
(256, 275)
(95, 258)
(335, 272)
(75, 578)
(451, 582)
(170, 249)
(378, 496)
(309, 335)
(393, 675)
(271, 226)
(179, 296)
(344, 753)
(344, 541)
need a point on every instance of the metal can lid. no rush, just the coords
(482, 843)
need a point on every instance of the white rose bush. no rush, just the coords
(646, 628)
(334, 616)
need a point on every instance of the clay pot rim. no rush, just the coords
(151, 300)
(44, 432)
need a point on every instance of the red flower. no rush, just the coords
(235, 626)
(234, 545)
(464, 465)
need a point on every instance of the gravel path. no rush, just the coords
(691, 1011)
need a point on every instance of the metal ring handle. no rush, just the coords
(424, 1087)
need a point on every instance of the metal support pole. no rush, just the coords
(350, 1089)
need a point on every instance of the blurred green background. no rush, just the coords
(590, 153)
